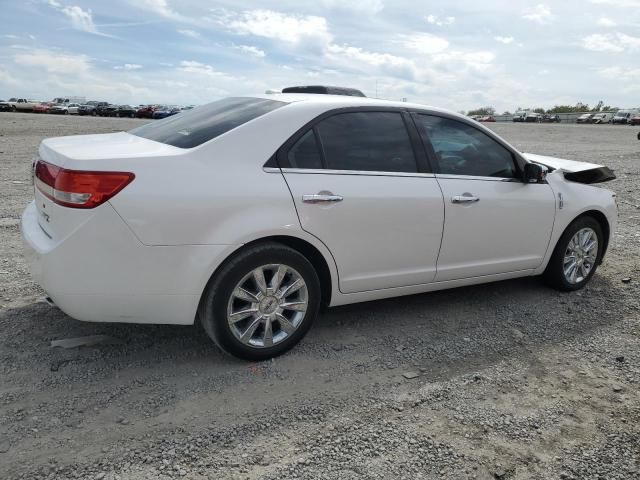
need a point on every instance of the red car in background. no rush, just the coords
(487, 118)
(635, 119)
(146, 111)
(43, 107)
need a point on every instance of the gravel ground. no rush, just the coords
(512, 380)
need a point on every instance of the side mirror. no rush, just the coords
(534, 173)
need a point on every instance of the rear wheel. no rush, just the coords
(262, 302)
(576, 256)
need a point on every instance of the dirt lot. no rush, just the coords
(515, 380)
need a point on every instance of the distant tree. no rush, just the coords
(482, 111)
(507, 112)
(539, 110)
(461, 112)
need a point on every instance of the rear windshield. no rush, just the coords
(196, 126)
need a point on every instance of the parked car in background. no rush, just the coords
(475, 117)
(102, 107)
(87, 110)
(5, 106)
(527, 116)
(125, 111)
(43, 107)
(145, 111)
(60, 109)
(165, 111)
(634, 119)
(584, 118)
(487, 118)
(22, 104)
(621, 117)
(108, 110)
(181, 239)
(73, 108)
(601, 118)
(550, 118)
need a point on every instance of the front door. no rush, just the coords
(357, 186)
(494, 222)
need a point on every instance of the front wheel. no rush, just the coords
(576, 256)
(262, 302)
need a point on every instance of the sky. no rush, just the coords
(459, 54)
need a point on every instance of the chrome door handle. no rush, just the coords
(464, 199)
(321, 198)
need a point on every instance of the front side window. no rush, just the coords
(464, 150)
(194, 127)
(367, 141)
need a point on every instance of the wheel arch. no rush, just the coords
(601, 218)
(304, 247)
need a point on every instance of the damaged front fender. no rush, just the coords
(580, 172)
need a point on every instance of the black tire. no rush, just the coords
(212, 311)
(554, 273)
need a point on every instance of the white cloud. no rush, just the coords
(618, 3)
(6, 78)
(280, 26)
(128, 66)
(54, 62)
(355, 57)
(80, 19)
(360, 6)
(159, 7)
(191, 66)
(189, 33)
(10, 36)
(610, 42)
(439, 21)
(505, 40)
(606, 22)
(541, 13)
(479, 60)
(620, 73)
(250, 50)
(424, 43)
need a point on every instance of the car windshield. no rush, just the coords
(199, 125)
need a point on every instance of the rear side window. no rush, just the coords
(305, 153)
(201, 124)
(367, 141)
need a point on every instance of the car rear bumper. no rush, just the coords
(102, 273)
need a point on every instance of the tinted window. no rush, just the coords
(368, 141)
(463, 150)
(305, 153)
(201, 124)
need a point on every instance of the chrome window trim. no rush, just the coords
(449, 176)
(318, 171)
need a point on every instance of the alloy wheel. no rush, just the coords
(267, 305)
(580, 255)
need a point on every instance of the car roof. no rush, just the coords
(343, 101)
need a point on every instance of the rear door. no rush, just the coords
(362, 187)
(495, 223)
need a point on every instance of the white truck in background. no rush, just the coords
(68, 100)
(22, 104)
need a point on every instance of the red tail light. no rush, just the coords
(76, 188)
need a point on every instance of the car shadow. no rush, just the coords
(463, 324)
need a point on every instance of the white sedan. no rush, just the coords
(251, 213)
